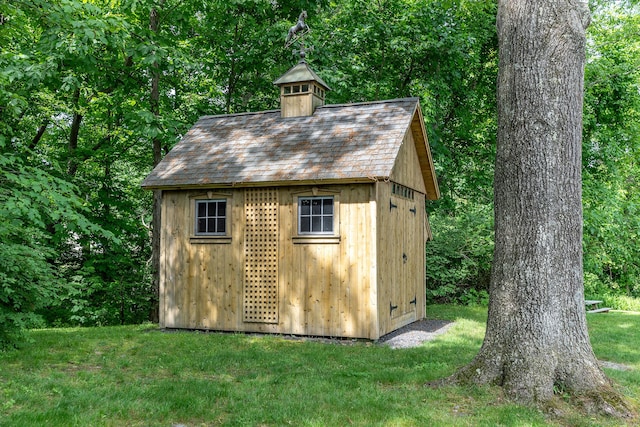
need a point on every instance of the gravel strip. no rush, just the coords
(416, 333)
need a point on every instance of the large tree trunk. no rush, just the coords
(536, 339)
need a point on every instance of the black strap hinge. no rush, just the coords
(391, 308)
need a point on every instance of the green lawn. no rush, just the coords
(140, 376)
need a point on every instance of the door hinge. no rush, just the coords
(391, 308)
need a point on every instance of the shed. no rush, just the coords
(308, 220)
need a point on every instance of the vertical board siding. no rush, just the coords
(401, 239)
(321, 288)
(407, 170)
(421, 266)
(400, 259)
(341, 288)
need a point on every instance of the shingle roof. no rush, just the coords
(338, 142)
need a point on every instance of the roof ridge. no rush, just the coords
(383, 101)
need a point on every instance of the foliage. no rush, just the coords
(445, 53)
(78, 122)
(75, 377)
(611, 190)
(29, 219)
(459, 257)
(72, 153)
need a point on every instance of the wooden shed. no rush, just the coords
(308, 220)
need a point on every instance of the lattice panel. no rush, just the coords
(261, 256)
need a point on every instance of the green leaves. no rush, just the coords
(611, 189)
(459, 257)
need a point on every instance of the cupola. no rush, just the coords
(301, 91)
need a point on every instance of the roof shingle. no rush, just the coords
(338, 142)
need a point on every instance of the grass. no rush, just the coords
(140, 376)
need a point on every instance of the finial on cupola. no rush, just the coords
(301, 89)
(297, 31)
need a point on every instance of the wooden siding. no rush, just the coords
(401, 262)
(299, 104)
(401, 243)
(406, 170)
(197, 279)
(365, 280)
(326, 286)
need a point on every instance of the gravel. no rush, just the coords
(416, 333)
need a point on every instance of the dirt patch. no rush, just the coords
(613, 365)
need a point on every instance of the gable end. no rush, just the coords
(424, 155)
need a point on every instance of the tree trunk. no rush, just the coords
(537, 340)
(72, 163)
(154, 102)
(41, 130)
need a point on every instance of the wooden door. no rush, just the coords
(405, 257)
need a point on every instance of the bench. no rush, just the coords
(592, 306)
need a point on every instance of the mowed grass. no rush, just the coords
(141, 376)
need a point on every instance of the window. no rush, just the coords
(315, 215)
(211, 217)
(289, 90)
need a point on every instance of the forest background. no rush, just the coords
(87, 87)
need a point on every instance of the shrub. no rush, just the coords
(459, 257)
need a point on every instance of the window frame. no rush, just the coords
(210, 238)
(322, 215)
(316, 238)
(216, 217)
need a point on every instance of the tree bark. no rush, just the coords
(72, 163)
(41, 130)
(154, 102)
(537, 341)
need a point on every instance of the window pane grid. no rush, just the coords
(211, 216)
(315, 215)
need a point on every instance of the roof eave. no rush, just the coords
(300, 73)
(250, 184)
